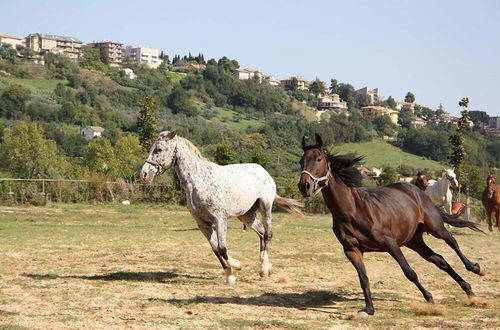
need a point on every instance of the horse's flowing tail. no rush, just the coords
(290, 205)
(455, 221)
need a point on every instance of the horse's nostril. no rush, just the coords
(308, 185)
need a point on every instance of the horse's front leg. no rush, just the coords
(221, 229)
(210, 234)
(490, 224)
(356, 258)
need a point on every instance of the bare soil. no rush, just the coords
(115, 267)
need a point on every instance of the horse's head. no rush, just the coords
(491, 183)
(422, 181)
(449, 174)
(161, 156)
(315, 168)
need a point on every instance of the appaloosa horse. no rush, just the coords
(379, 219)
(491, 200)
(421, 181)
(215, 193)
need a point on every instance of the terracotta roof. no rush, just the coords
(10, 36)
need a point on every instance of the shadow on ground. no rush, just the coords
(305, 300)
(122, 276)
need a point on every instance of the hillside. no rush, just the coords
(379, 153)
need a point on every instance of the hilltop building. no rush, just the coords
(409, 105)
(373, 94)
(113, 49)
(246, 74)
(10, 39)
(56, 44)
(272, 80)
(148, 56)
(374, 111)
(494, 122)
(332, 102)
(302, 84)
(91, 132)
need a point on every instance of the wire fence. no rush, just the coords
(43, 191)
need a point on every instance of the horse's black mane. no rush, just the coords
(343, 167)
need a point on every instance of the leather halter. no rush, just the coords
(160, 167)
(450, 178)
(316, 188)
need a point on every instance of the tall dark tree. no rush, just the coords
(456, 140)
(103, 56)
(410, 97)
(334, 86)
(317, 87)
(391, 102)
(147, 123)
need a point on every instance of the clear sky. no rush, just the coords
(441, 50)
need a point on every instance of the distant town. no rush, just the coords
(119, 55)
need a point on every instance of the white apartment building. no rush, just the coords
(144, 55)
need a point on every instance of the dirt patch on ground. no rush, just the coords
(130, 270)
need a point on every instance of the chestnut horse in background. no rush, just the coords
(491, 200)
(421, 181)
(379, 219)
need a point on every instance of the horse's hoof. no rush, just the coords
(231, 280)
(362, 314)
(263, 274)
(234, 263)
(482, 270)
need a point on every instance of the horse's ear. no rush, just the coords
(172, 134)
(319, 142)
(304, 146)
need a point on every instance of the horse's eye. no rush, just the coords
(319, 159)
(158, 150)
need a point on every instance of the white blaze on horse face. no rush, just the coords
(451, 174)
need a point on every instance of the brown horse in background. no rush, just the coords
(491, 200)
(421, 181)
(379, 219)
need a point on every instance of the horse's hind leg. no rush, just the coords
(497, 213)
(395, 252)
(436, 229)
(418, 245)
(265, 209)
(250, 220)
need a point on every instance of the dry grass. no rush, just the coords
(427, 309)
(115, 267)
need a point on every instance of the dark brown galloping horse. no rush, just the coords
(491, 200)
(422, 181)
(379, 219)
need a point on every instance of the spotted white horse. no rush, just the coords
(439, 191)
(215, 193)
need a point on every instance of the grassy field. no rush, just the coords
(36, 86)
(115, 267)
(380, 153)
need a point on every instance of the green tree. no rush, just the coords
(294, 84)
(458, 152)
(479, 117)
(388, 176)
(334, 86)
(27, 154)
(317, 87)
(391, 102)
(129, 156)
(179, 102)
(99, 156)
(13, 101)
(410, 97)
(147, 123)
(224, 154)
(90, 59)
(258, 157)
(103, 56)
